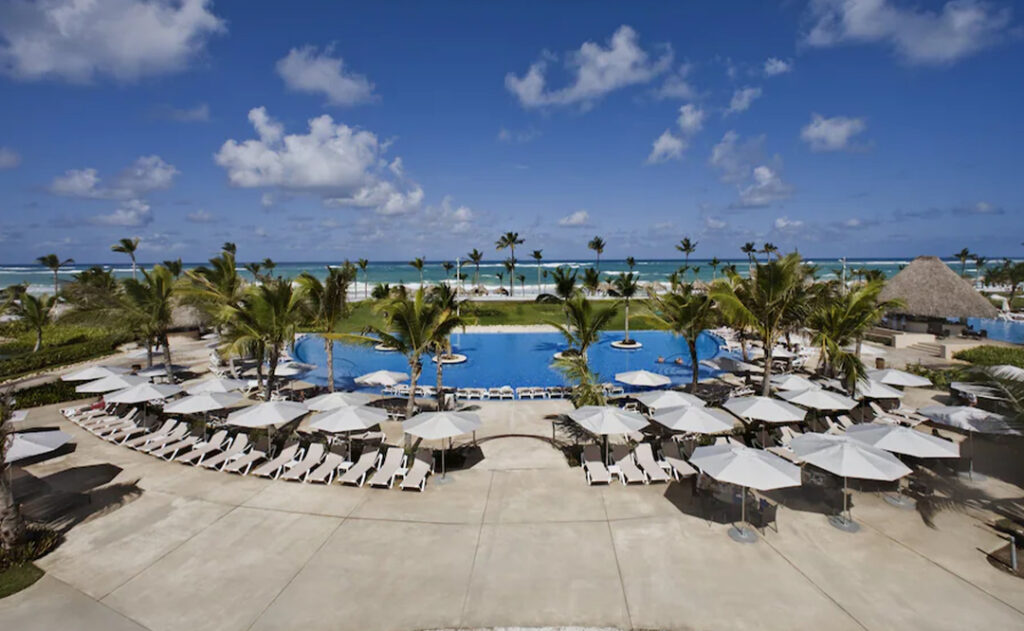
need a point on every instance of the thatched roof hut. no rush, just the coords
(930, 289)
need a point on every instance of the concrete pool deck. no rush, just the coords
(518, 540)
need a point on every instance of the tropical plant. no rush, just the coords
(509, 240)
(327, 302)
(625, 286)
(148, 304)
(214, 287)
(12, 525)
(687, 247)
(591, 280)
(962, 256)
(363, 264)
(127, 246)
(91, 288)
(510, 268)
(750, 250)
(587, 389)
(268, 267)
(174, 267)
(563, 284)
(768, 249)
(979, 266)
(522, 283)
(35, 313)
(54, 263)
(447, 266)
(254, 269)
(230, 248)
(417, 264)
(686, 313)
(597, 244)
(630, 263)
(537, 256)
(714, 263)
(381, 291)
(476, 256)
(584, 323)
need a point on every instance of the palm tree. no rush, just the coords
(34, 312)
(149, 304)
(687, 247)
(13, 531)
(53, 262)
(630, 263)
(510, 267)
(448, 266)
(328, 304)
(230, 248)
(768, 249)
(962, 256)
(588, 389)
(625, 286)
(584, 323)
(563, 283)
(268, 266)
(591, 280)
(501, 279)
(254, 269)
(687, 313)
(127, 246)
(772, 300)
(597, 244)
(509, 240)
(174, 267)
(417, 264)
(476, 256)
(537, 256)
(749, 249)
(979, 266)
(714, 263)
(522, 283)
(363, 264)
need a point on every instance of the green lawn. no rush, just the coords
(17, 578)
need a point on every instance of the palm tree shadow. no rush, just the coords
(935, 493)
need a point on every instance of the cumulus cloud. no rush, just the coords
(145, 175)
(691, 119)
(831, 134)
(785, 224)
(9, 158)
(741, 163)
(345, 166)
(666, 147)
(714, 223)
(918, 35)
(677, 85)
(78, 41)
(767, 187)
(742, 99)
(734, 158)
(774, 66)
(132, 213)
(309, 70)
(200, 216)
(596, 69)
(578, 219)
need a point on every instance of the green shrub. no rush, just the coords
(992, 355)
(39, 541)
(47, 394)
(940, 377)
(61, 355)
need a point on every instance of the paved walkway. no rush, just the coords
(517, 541)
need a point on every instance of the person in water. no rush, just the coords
(678, 361)
(660, 360)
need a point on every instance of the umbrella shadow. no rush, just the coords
(65, 499)
(82, 479)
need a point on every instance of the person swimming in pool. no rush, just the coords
(660, 360)
(678, 361)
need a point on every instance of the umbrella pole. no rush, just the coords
(444, 466)
(846, 501)
(743, 507)
(970, 462)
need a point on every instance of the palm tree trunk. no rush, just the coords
(167, 357)
(55, 286)
(440, 385)
(133, 267)
(149, 353)
(271, 369)
(39, 340)
(329, 350)
(12, 524)
(260, 352)
(627, 321)
(476, 276)
(766, 385)
(694, 366)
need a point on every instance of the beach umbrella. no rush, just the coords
(644, 378)
(746, 468)
(725, 363)
(216, 384)
(158, 370)
(849, 458)
(441, 425)
(969, 419)
(1005, 371)
(604, 420)
(94, 372)
(695, 419)
(203, 402)
(111, 383)
(779, 352)
(793, 383)
(347, 419)
(382, 378)
(899, 439)
(23, 445)
(764, 409)
(657, 399)
(267, 414)
(334, 400)
(819, 399)
(901, 378)
(143, 392)
(292, 369)
(871, 389)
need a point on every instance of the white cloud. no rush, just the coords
(578, 219)
(344, 165)
(853, 223)
(713, 223)
(512, 136)
(146, 174)
(831, 134)
(677, 85)
(742, 99)
(785, 224)
(691, 119)
(308, 70)
(132, 213)
(666, 147)
(767, 187)
(978, 208)
(774, 66)
(9, 158)
(79, 40)
(200, 216)
(735, 159)
(597, 70)
(742, 163)
(920, 36)
(198, 114)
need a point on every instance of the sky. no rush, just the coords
(325, 131)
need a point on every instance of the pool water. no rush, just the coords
(512, 359)
(1004, 330)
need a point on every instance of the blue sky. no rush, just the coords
(864, 128)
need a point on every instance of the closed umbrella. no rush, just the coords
(643, 378)
(441, 425)
(658, 399)
(94, 372)
(819, 399)
(901, 378)
(793, 383)
(143, 392)
(970, 419)
(382, 378)
(347, 419)
(695, 420)
(23, 445)
(746, 468)
(871, 389)
(111, 383)
(848, 458)
(216, 384)
(334, 400)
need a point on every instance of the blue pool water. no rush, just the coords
(1004, 330)
(513, 359)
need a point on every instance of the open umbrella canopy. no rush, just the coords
(643, 378)
(203, 402)
(779, 352)
(901, 378)
(658, 399)
(765, 409)
(111, 383)
(437, 425)
(158, 370)
(871, 389)
(753, 468)
(604, 420)
(267, 414)
(968, 418)
(382, 378)
(1006, 371)
(143, 392)
(903, 440)
(216, 384)
(292, 369)
(695, 419)
(94, 372)
(820, 399)
(23, 445)
(849, 458)
(793, 383)
(347, 419)
(335, 400)
(731, 364)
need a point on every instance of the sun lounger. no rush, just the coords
(273, 468)
(329, 468)
(644, 456)
(99, 422)
(298, 469)
(236, 449)
(672, 460)
(357, 473)
(494, 393)
(628, 472)
(593, 466)
(171, 450)
(200, 450)
(163, 430)
(416, 476)
(832, 427)
(156, 442)
(845, 421)
(387, 467)
(119, 430)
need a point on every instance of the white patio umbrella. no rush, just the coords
(21, 445)
(203, 402)
(1006, 371)
(94, 372)
(793, 383)
(764, 409)
(900, 439)
(158, 370)
(778, 352)
(441, 425)
(902, 378)
(143, 392)
(267, 414)
(871, 389)
(335, 400)
(111, 383)
(382, 378)
(819, 399)
(643, 378)
(604, 420)
(292, 369)
(216, 384)
(695, 419)
(848, 458)
(658, 399)
(970, 419)
(731, 364)
(347, 419)
(746, 468)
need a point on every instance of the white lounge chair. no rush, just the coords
(416, 476)
(628, 472)
(387, 467)
(329, 468)
(236, 449)
(645, 458)
(200, 450)
(244, 463)
(672, 461)
(593, 466)
(156, 442)
(300, 468)
(357, 473)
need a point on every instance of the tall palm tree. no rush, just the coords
(687, 313)
(625, 286)
(522, 284)
(510, 267)
(13, 530)
(714, 263)
(476, 256)
(584, 323)
(363, 264)
(53, 262)
(212, 288)
(417, 264)
(34, 312)
(563, 283)
(448, 266)
(509, 240)
(230, 248)
(127, 246)
(149, 303)
(268, 266)
(630, 263)
(588, 389)
(979, 266)
(591, 280)
(687, 247)
(327, 302)
(501, 279)
(538, 255)
(597, 244)
(768, 249)
(254, 269)
(750, 250)
(963, 255)
(174, 267)
(771, 301)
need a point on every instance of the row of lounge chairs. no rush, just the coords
(637, 466)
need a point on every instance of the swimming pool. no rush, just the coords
(512, 359)
(1005, 330)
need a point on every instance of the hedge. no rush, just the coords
(47, 394)
(992, 355)
(60, 355)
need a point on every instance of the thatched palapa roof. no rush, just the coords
(930, 289)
